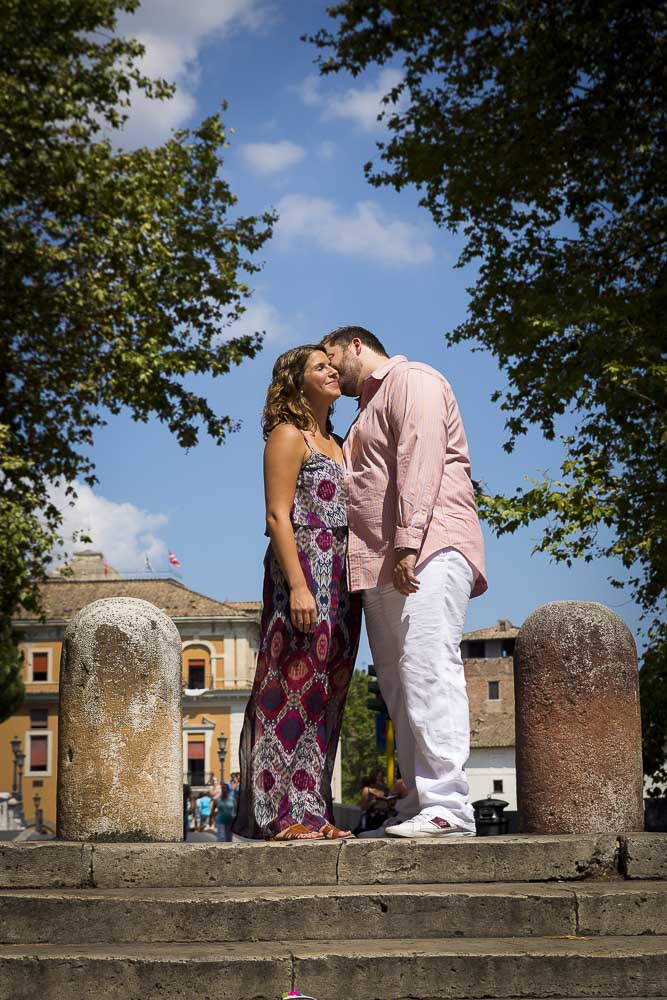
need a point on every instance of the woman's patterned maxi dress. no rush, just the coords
(293, 719)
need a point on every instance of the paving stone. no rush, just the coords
(167, 971)
(318, 913)
(644, 855)
(480, 859)
(402, 969)
(51, 864)
(502, 968)
(631, 908)
(173, 865)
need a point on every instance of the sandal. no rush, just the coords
(297, 831)
(331, 832)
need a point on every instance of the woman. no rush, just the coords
(310, 622)
(224, 814)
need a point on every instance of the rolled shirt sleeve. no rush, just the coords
(418, 419)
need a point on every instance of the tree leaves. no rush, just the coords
(120, 271)
(538, 130)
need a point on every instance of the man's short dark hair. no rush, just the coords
(344, 336)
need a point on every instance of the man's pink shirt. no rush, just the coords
(407, 475)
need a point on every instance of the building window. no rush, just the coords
(39, 718)
(38, 753)
(494, 690)
(497, 785)
(39, 667)
(197, 674)
(507, 647)
(196, 762)
(476, 650)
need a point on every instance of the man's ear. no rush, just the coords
(356, 343)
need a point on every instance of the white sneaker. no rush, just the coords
(427, 826)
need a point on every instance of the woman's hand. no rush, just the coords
(303, 610)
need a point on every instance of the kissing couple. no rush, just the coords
(385, 520)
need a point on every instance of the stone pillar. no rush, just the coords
(120, 775)
(578, 725)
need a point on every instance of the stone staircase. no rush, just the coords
(557, 917)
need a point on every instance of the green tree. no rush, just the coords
(537, 131)
(359, 755)
(119, 271)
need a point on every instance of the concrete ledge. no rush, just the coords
(353, 862)
(481, 859)
(316, 913)
(401, 970)
(173, 865)
(644, 855)
(109, 916)
(48, 864)
(169, 971)
(476, 969)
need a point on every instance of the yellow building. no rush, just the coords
(220, 640)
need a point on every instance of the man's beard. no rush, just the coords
(348, 377)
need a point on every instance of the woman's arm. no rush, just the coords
(283, 456)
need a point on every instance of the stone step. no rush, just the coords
(119, 916)
(403, 969)
(352, 862)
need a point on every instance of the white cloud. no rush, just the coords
(173, 33)
(123, 532)
(366, 231)
(260, 317)
(361, 105)
(271, 157)
(327, 150)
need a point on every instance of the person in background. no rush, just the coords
(205, 802)
(224, 815)
(187, 806)
(376, 803)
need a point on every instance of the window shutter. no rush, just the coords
(38, 753)
(195, 750)
(40, 666)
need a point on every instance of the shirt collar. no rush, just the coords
(372, 382)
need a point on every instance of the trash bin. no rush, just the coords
(489, 818)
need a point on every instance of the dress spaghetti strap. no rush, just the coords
(313, 449)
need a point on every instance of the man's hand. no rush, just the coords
(404, 578)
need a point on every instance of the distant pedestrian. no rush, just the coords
(224, 815)
(187, 792)
(204, 801)
(214, 787)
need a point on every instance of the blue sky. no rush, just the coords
(343, 252)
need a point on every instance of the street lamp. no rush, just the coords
(17, 791)
(15, 744)
(38, 813)
(222, 753)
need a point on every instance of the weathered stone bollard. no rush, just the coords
(578, 725)
(120, 774)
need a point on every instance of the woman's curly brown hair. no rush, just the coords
(285, 403)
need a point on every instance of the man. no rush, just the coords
(415, 551)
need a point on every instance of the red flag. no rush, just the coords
(172, 559)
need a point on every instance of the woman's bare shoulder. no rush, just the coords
(286, 439)
(285, 434)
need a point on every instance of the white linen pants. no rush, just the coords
(415, 644)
